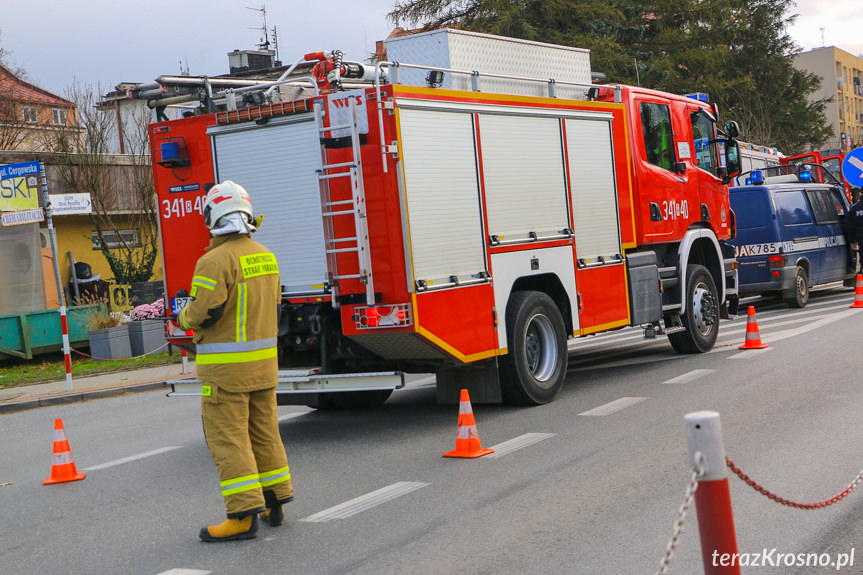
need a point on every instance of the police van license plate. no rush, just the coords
(178, 303)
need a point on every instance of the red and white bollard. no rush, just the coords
(185, 363)
(713, 496)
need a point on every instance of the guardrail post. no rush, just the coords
(713, 497)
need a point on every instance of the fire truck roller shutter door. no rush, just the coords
(285, 188)
(442, 193)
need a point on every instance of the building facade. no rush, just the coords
(28, 113)
(32, 122)
(842, 79)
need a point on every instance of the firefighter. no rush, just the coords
(235, 311)
(854, 227)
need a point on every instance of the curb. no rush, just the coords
(75, 397)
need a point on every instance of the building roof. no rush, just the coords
(26, 92)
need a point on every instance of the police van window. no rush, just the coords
(703, 133)
(793, 208)
(751, 209)
(824, 206)
(658, 138)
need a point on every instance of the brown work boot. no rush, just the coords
(231, 529)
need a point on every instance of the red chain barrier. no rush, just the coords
(113, 359)
(808, 506)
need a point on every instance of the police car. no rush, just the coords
(791, 231)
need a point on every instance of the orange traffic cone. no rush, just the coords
(62, 467)
(467, 438)
(858, 292)
(753, 336)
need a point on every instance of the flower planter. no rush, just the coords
(146, 336)
(110, 343)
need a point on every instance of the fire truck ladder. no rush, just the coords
(356, 206)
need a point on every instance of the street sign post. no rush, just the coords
(852, 167)
(52, 235)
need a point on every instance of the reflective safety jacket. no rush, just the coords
(236, 296)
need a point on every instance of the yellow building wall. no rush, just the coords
(74, 233)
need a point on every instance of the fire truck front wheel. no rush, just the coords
(701, 317)
(533, 371)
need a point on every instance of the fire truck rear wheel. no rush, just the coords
(533, 371)
(701, 317)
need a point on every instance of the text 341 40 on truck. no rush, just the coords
(428, 218)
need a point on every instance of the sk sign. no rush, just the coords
(19, 184)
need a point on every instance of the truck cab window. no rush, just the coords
(658, 137)
(704, 134)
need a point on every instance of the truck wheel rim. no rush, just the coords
(704, 309)
(540, 348)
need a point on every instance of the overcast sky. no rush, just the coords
(106, 42)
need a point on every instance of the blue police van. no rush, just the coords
(790, 224)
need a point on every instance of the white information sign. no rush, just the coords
(67, 204)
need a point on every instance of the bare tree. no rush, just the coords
(13, 129)
(120, 185)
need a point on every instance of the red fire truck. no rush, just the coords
(465, 233)
(831, 160)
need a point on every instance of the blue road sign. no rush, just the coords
(18, 170)
(852, 167)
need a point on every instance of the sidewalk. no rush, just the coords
(91, 387)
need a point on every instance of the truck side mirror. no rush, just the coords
(732, 158)
(732, 129)
(680, 167)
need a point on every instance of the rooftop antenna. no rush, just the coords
(822, 35)
(184, 71)
(264, 44)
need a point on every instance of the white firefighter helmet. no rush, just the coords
(223, 199)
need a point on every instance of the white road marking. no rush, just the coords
(747, 353)
(185, 572)
(691, 376)
(132, 458)
(365, 502)
(288, 416)
(517, 443)
(614, 406)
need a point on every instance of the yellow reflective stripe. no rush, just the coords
(204, 282)
(254, 265)
(240, 484)
(182, 319)
(275, 476)
(241, 311)
(236, 357)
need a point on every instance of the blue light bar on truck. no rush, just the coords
(700, 96)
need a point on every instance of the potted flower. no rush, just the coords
(147, 328)
(109, 338)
